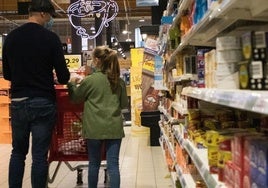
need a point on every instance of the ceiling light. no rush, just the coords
(142, 20)
(125, 32)
(128, 40)
(144, 36)
(92, 28)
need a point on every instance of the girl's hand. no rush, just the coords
(75, 78)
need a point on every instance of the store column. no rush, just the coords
(76, 40)
(98, 22)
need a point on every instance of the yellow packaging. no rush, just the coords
(223, 157)
(212, 124)
(193, 114)
(213, 155)
(212, 138)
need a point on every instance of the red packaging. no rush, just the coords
(228, 174)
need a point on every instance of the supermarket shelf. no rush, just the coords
(174, 178)
(185, 77)
(179, 108)
(170, 148)
(200, 159)
(250, 100)
(7, 132)
(164, 111)
(227, 17)
(5, 117)
(172, 174)
(4, 103)
(186, 180)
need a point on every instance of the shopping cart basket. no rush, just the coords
(67, 143)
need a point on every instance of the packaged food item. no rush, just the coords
(247, 45)
(193, 114)
(211, 124)
(258, 64)
(244, 74)
(228, 43)
(224, 155)
(258, 163)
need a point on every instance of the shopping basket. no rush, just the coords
(67, 143)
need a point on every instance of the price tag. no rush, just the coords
(73, 61)
(239, 100)
(224, 98)
(260, 106)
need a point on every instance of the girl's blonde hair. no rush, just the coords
(108, 64)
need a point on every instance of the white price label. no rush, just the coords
(261, 106)
(239, 100)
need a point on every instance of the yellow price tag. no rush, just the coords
(73, 61)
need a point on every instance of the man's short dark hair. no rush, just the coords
(42, 6)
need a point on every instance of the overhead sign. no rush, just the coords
(143, 3)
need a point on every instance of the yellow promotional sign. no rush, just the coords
(136, 57)
(135, 84)
(73, 61)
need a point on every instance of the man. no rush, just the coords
(30, 54)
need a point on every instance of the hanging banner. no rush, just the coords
(145, 3)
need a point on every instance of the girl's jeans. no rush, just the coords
(112, 148)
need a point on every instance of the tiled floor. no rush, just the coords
(141, 166)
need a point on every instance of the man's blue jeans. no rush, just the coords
(34, 116)
(112, 148)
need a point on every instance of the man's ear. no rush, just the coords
(43, 14)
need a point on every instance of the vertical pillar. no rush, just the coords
(76, 40)
(109, 34)
(99, 41)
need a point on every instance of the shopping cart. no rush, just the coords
(67, 143)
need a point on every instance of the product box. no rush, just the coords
(227, 56)
(227, 81)
(213, 159)
(228, 43)
(260, 45)
(228, 174)
(247, 45)
(243, 71)
(239, 147)
(258, 64)
(258, 75)
(258, 163)
(224, 155)
(246, 160)
(210, 67)
(238, 177)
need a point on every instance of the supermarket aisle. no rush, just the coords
(141, 166)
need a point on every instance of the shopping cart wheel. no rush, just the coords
(79, 176)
